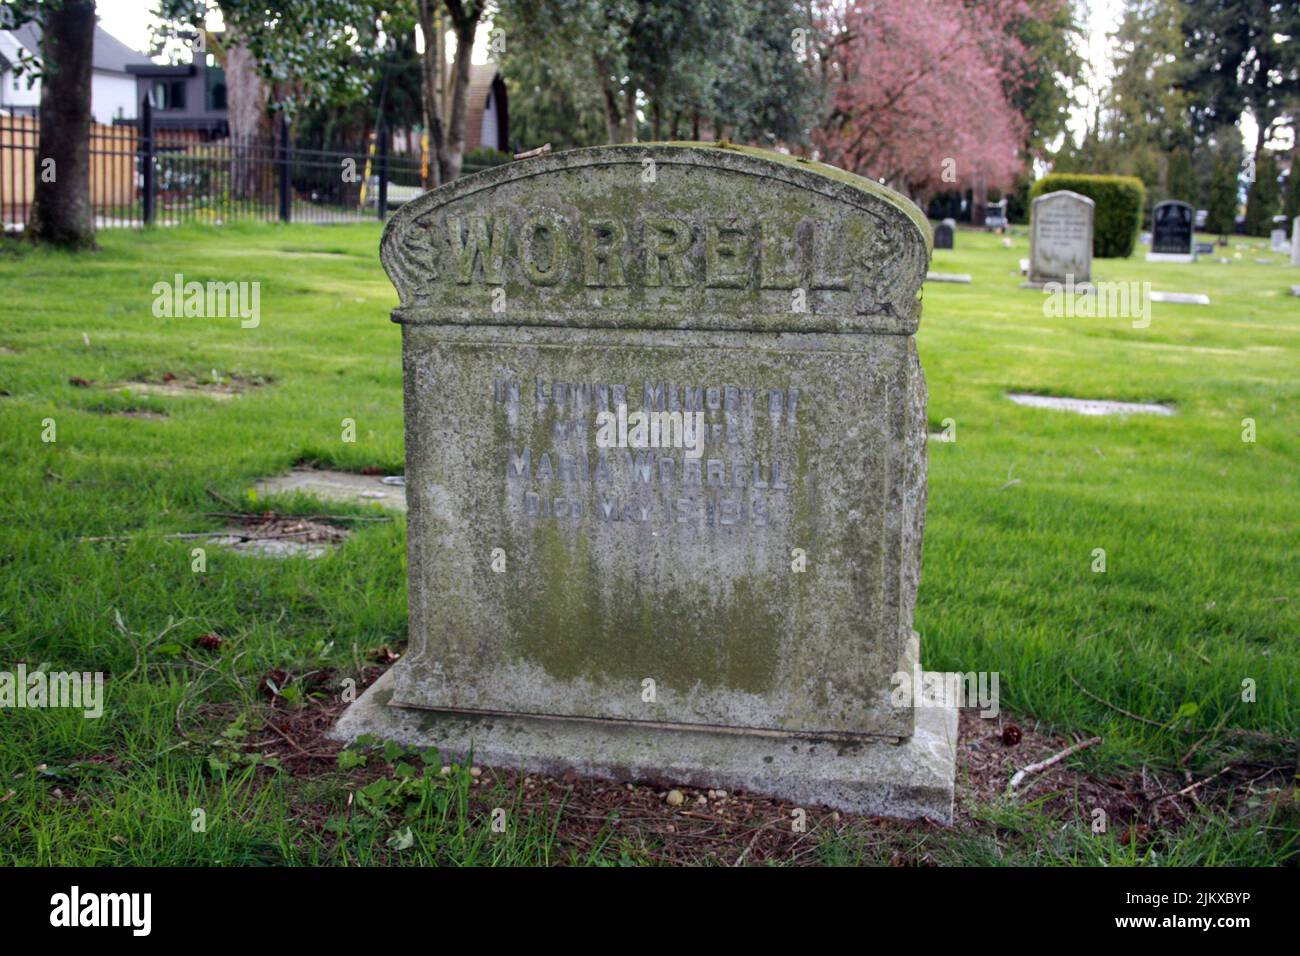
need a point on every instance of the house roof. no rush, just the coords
(481, 77)
(110, 54)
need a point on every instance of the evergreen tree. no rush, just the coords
(1221, 207)
(1291, 204)
(1181, 182)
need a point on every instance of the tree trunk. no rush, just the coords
(247, 116)
(613, 118)
(61, 209)
(431, 78)
(629, 113)
(464, 21)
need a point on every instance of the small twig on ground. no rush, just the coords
(1210, 733)
(275, 516)
(128, 537)
(1195, 786)
(1021, 774)
(740, 860)
(1126, 713)
(220, 497)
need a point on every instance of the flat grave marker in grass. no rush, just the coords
(1181, 298)
(720, 595)
(281, 537)
(342, 486)
(1088, 406)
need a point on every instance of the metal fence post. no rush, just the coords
(146, 160)
(284, 170)
(382, 196)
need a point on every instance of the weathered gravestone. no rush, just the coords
(1295, 241)
(1277, 241)
(1060, 240)
(733, 613)
(1171, 236)
(943, 234)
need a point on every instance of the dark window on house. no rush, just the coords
(169, 95)
(215, 81)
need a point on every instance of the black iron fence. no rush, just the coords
(145, 174)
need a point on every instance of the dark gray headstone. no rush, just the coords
(943, 234)
(1171, 228)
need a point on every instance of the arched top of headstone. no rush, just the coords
(1065, 193)
(1173, 202)
(662, 236)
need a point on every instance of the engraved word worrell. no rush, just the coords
(725, 253)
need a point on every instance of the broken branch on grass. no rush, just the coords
(274, 516)
(1050, 761)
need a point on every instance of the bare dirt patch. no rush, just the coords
(219, 388)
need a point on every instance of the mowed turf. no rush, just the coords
(1198, 601)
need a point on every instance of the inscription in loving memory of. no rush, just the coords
(722, 474)
(1061, 225)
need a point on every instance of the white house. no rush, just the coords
(113, 89)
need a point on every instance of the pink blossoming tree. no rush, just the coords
(916, 91)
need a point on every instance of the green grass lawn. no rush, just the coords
(1200, 592)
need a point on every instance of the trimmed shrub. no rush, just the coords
(1117, 212)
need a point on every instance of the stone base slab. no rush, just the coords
(1171, 257)
(911, 780)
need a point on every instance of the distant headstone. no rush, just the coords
(1277, 241)
(652, 534)
(1295, 241)
(995, 217)
(943, 234)
(961, 278)
(1060, 239)
(1172, 232)
(1205, 248)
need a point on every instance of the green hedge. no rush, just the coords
(1116, 215)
